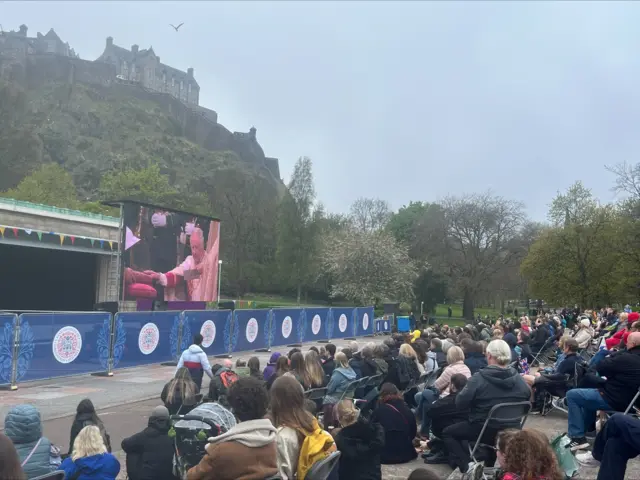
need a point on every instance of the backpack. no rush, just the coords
(316, 446)
(228, 378)
(404, 371)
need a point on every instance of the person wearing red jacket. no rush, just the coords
(622, 334)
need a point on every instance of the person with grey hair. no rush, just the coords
(354, 346)
(494, 384)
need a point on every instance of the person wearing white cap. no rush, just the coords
(584, 335)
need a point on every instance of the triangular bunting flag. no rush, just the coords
(73, 239)
(111, 245)
(39, 235)
(129, 239)
(2, 232)
(15, 232)
(101, 243)
(61, 238)
(92, 240)
(28, 231)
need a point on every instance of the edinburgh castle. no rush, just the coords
(33, 61)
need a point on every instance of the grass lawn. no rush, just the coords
(274, 301)
(441, 311)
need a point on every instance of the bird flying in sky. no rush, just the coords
(174, 27)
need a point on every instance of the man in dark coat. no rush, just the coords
(497, 383)
(150, 452)
(622, 373)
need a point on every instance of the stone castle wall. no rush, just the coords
(198, 124)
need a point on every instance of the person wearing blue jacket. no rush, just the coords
(24, 427)
(90, 459)
(341, 377)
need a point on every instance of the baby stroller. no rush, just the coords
(191, 434)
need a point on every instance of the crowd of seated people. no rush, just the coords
(453, 377)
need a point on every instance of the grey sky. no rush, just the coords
(403, 101)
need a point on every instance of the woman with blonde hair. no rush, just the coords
(179, 394)
(425, 399)
(90, 459)
(341, 377)
(360, 444)
(313, 373)
(408, 351)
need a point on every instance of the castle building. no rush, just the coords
(144, 67)
(18, 44)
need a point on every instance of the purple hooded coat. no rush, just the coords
(270, 369)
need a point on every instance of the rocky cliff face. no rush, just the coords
(68, 82)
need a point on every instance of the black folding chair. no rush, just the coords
(375, 380)
(315, 393)
(630, 407)
(501, 417)
(323, 468)
(350, 391)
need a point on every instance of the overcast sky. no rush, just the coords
(403, 101)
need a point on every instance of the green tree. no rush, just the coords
(297, 226)
(576, 259)
(49, 185)
(150, 185)
(247, 206)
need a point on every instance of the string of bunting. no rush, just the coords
(54, 237)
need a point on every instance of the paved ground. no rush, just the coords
(126, 399)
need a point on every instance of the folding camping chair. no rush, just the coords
(501, 417)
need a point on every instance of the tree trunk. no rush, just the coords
(467, 305)
(299, 292)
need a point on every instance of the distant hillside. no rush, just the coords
(92, 129)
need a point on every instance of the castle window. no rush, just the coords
(181, 85)
(189, 89)
(173, 82)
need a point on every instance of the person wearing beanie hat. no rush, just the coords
(585, 333)
(150, 452)
(620, 337)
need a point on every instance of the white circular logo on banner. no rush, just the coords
(208, 332)
(252, 330)
(67, 344)
(149, 338)
(342, 322)
(365, 321)
(316, 323)
(386, 326)
(287, 326)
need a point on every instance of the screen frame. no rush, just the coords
(121, 244)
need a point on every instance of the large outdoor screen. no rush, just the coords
(169, 255)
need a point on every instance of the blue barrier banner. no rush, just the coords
(211, 325)
(315, 324)
(287, 325)
(364, 321)
(250, 329)
(386, 325)
(343, 319)
(147, 337)
(8, 323)
(62, 344)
